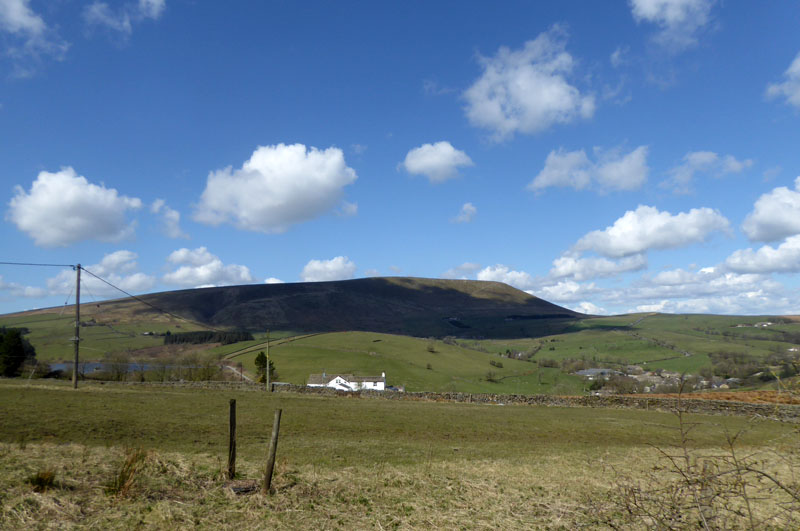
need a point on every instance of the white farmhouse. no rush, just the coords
(348, 382)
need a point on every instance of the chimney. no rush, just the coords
(383, 375)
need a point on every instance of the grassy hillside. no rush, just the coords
(680, 343)
(483, 322)
(103, 331)
(405, 361)
(344, 463)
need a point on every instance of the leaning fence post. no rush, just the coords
(273, 447)
(232, 440)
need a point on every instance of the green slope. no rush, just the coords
(405, 361)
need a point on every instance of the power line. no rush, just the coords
(39, 265)
(149, 304)
(73, 266)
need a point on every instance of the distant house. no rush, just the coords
(348, 382)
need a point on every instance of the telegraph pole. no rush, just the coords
(77, 337)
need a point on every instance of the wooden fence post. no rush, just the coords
(273, 447)
(232, 440)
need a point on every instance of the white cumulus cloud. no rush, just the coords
(18, 290)
(339, 268)
(782, 259)
(527, 90)
(502, 273)
(588, 308)
(708, 162)
(648, 228)
(566, 291)
(613, 170)
(170, 219)
(118, 268)
(679, 20)
(775, 215)
(277, 187)
(199, 268)
(438, 162)
(464, 271)
(63, 208)
(789, 88)
(466, 214)
(273, 280)
(707, 290)
(595, 267)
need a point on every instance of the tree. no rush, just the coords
(261, 363)
(261, 368)
(15, 350)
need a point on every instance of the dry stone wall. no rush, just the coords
(786, 413)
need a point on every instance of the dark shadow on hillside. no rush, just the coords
(597, 326)
(408, 306)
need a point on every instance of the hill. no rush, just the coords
(408, 306)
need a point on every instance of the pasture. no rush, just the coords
(342, 462)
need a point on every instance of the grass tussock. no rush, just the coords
(42, 480)
(125, 476)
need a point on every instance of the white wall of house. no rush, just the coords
(374, 386)
(342, 384)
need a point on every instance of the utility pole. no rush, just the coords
(267, 380)
(77, 337)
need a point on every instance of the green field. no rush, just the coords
(680, 343)
(343, 462)
(674, 342)
(405, 361)
(51, 334)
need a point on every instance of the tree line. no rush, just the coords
(207, 336)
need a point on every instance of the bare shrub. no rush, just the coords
(728, 489)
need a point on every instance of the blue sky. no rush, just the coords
(610, 157)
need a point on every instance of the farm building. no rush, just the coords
(348, 382)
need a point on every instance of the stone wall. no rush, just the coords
(786, 413)
(783, 412)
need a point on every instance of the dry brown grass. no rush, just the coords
(753, 397)
(176, 491)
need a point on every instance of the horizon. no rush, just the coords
(613, 158)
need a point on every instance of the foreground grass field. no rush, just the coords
(344, 462)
